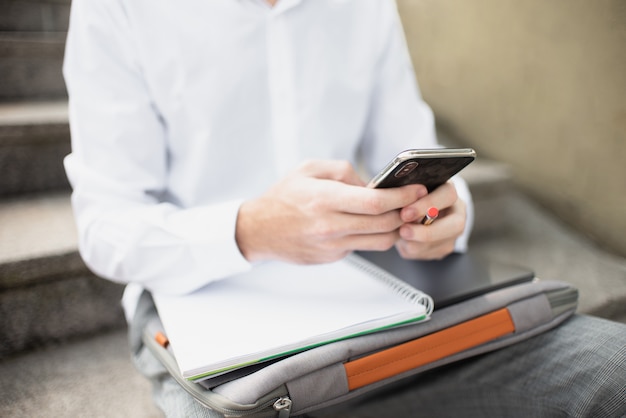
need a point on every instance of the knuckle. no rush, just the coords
(389, 222)
(344, 167)
(306, 165)
(449, 189)
(323, 230)
(316, 205)
(443, 251)
(457, 224)
(342, 170)
(374, 205)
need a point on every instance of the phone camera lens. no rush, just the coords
(406, 169)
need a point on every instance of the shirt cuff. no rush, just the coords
(464, 194)
(210, 233)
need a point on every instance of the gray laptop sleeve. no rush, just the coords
(340, 371)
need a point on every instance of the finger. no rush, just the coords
(450, 225)
(329, 249)
(343, 224)
(338, 170)
(367, 201)
(421, 251)
(370, 242)
(441, 198)
(367, 224)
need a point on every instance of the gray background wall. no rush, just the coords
(540, 84)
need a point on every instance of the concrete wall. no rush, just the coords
(540, 84)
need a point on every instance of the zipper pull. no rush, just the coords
(283, 407)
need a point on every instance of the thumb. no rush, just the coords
(337, 170)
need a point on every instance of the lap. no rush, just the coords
(577, 369)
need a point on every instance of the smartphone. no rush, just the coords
(430, 167)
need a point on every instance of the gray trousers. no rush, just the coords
(575, 370)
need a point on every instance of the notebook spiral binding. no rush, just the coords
(402, 288)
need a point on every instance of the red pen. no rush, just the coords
(431, 215)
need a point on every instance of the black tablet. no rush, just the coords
(453, 279)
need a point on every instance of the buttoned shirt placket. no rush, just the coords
(282, 91)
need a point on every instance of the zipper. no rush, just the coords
(283, 407)
(274, 402)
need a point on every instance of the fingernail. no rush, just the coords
(408, 214)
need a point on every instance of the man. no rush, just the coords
(208, 136)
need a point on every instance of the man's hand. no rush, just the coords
(436, 240)
(319, 213)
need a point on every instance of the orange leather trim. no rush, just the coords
(410, 355)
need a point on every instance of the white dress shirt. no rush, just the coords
(181, 111)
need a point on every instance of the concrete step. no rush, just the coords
(48, 294)
(532, 236)
(90, 377)
(34, 15)
(31, 65)
(490, 183)
(34, 138)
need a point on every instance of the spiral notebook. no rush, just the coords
(278, 309)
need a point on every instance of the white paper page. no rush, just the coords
(274, 308)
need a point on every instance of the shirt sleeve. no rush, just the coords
(118, 169)
(399, 118)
